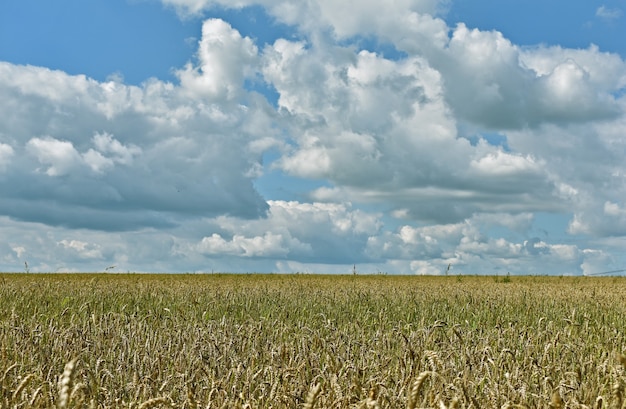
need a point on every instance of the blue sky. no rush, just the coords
(281, 136)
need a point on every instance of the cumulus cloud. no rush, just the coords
(414, 110)
(225, 59)
(81, 248)
(369, 110)
(346, 18)
(316, 232)
(469, 248)
(269, 245)
(60, 156)
(493, 83)
(155, 152)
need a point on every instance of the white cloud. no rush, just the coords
(607, 13)
(501, 163)
(105, 143)
(597, 261)
(347, 18)
(586, 164)
(6, 154)
(268, 245)
(613, 209)
(421, 267)
(19, 251)
(493, 83)
(225, 59)
(83, 249)
(169, 169)
(369, 109)
(157, 152)
(60, 156)
(603, 71)
(312, 232)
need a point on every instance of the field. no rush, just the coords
(303, 341)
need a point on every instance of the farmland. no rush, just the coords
(293, 341)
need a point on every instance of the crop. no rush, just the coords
(308, 341)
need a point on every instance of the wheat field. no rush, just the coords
(308, 341)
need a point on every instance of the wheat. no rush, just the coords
(6, 372)
(622, 360)
(191, 400)
(35, 395)
(154, 402)
(599, 402)
(78, 389)
(433, 360)
(65, 384)
(415, 389)
(311, 397)
(372, 398)
(556, 402)
(277, 341)
(618, 394)
(18, 391)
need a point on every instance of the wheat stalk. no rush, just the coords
(6, 372)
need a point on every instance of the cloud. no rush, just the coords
(305, 232)
(468, 248)
(400, 151)
(586, 165)
(313, 237)
(19, 251)
(225, 59)
(501, 163)
(117, 157)
(382, 131)
(607, 13)
(60, 156)
(81, 248)
(6, 154)
(598, 219)
(268, 245)
(346, 18)
(494, 84)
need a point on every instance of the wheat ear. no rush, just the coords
(415, 389)
(154, 402)
(65, 384)
(312, 396)
(21, 386)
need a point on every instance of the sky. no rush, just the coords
(318, 136)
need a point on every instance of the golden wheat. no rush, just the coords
(65, 384)
(154, 402)
(311, 397)
(288, 341)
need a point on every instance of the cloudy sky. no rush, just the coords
(405, 136)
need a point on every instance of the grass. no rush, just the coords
(261, 341)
